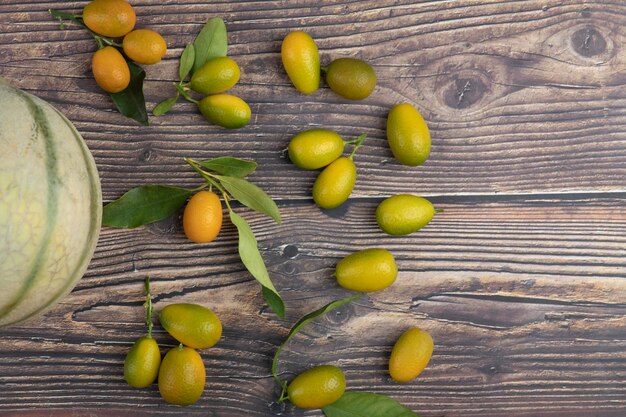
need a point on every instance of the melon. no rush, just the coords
(50, 206)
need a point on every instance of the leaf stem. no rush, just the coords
(148, 306)
(211, 181)
(275, 366)
(283, 394)
(300, 324)
(195, 190)
(358, 143)
(226, 200)
(183, 92)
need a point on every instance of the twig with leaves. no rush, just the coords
(351, 403)
(211, 42)
(130, 102)
(150, 203)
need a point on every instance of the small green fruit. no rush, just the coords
(335, 183)
(367, 270)
(301, 60)
(351, 78)
(142, 362)
(410, 355)
(215, 76)
(191, 324)
(403, 214)
(315, 148)
(225, 110)
(317, 387)
(408, 135)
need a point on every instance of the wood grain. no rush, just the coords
(524, 299)
(534, 88)
(521, 281)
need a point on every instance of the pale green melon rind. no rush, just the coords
(41, 123)
(95, 211)
(94, 226)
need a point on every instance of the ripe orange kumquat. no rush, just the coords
(202, 218)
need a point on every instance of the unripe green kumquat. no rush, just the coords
(317, 387)
(410, 355)
(142, 362)
(315, 148)
(402, 214)
(368, 270)
(215, 76)
(408, 135)
(301, 61)
(225, 110)
(191, 324)
(351, 78)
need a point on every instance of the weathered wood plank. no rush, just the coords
(524, 294)
(520, 96)
(525, 300)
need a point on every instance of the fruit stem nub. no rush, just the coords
(439, 210)
(148, 306)
(358, 143)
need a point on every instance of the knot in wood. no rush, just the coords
(464, 92)
(588, 42)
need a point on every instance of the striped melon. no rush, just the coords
(50, 206)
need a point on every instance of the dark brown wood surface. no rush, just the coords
(521, 281)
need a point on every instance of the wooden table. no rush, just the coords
(521, 281)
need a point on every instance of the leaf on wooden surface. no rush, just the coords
(366, 404)
(164, 106)
(187, 59)
(211, 42)
(250, 196)
(306, 320)
(252, 260)
(143, 205)
(229, 166)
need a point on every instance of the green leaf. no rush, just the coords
(143, 205)
(227, 165)
(303, 322)
(211, 42)
(251, 258)
(131, 102)
(250, 196)
(164, 106)
(366, 404)
(186, 61)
